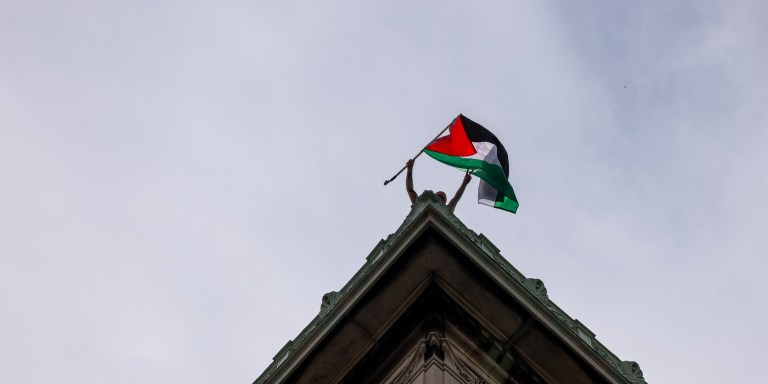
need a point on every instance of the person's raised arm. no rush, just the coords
(409, 182)
(455, 200)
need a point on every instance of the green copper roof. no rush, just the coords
(535, 293)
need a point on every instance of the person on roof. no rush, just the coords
(440, 194)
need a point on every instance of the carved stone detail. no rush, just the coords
(632, 372)
(537, 288)
(427, 350)
(408, 372)
(329, 301)
(433, 341)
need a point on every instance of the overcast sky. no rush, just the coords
(182, 181)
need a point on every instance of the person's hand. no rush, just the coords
(467, 178)
(409, 164)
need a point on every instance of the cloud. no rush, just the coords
(183, 181)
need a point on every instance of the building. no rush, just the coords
(437, 303)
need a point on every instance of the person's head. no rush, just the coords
(441, 195)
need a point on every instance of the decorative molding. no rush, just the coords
(632, 372)
(407, 373)
(426, 354)
(328, 302)
(537, 288)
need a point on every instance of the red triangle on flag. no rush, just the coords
(456, 143)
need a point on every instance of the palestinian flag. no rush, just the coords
(470, 146)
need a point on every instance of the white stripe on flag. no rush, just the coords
(486, 152)
(486, 194)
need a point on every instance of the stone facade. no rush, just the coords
(437, 303)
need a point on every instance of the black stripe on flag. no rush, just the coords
(478, 134)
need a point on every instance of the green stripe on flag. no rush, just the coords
(491, 173)
(506, 204)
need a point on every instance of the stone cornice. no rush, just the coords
(532, 293)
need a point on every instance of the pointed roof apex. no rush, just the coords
(428, 223)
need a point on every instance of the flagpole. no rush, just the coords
(417, 155)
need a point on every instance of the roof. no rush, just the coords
(346, 327)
